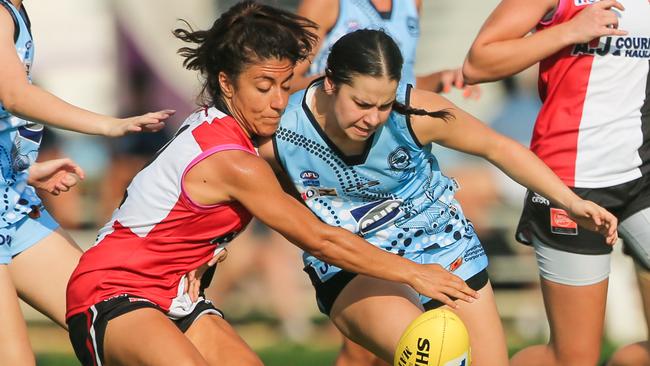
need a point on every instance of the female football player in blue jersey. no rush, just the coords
(358, 154)
(36, 256)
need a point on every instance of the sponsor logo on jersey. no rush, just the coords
(361, 186)
(399, 159)
(540, 199)
(5, 239)
(313, 192)
(376, 215)
(413, 26)
(32, 132)
(632, 47)
(561, 223)
(455, 264)
(139, 299)
(583, 2)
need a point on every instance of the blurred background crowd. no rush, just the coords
(118, 57)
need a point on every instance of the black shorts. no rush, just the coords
(551, 225)
(328, 291)
(87, 329)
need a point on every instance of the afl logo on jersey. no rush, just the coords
(583, 2)
(310, 178)
(308, 174)
(399, 159)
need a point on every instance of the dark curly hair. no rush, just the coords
(245, 34)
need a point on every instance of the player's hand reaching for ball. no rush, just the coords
(436, 282)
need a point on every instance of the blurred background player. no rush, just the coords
(592, 131)
(31, 237)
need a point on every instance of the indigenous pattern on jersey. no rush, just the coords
(393, 194)
(158, 233)
(594, 127)
(19, 138)
(402, 24)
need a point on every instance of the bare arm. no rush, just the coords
(251, 182)
(324, 13)
(503, 46)
(30, 102)
(55, 176)
(467, 134)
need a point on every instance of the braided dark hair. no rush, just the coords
(245, 34)
(372, 53)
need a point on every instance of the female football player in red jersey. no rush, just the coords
(592, 131)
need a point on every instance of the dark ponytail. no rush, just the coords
(245, 34)
(401, 108)
(374, 53)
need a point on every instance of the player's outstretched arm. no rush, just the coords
(465, 133)
(55, 176)
(30, 102)
(324, 13)
(503, 48)
(444, 80)
(248, 179)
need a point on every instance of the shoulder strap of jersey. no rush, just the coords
(13, 16)
(28, 22)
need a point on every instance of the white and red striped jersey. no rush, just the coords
(158, 233)
(594, 127)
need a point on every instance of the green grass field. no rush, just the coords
(284, 354)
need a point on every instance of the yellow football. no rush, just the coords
(436, 338)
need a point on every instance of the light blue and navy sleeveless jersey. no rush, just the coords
(401, 23)
(19, 138)
(393, 194)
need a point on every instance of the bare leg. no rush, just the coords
(41, 274)
(219, 343)
(14, 344)
(352, 354)
(637, 354)
(147, 337)
(481, 318)
(360, 313)
(575, 315)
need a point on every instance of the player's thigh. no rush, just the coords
(374, 313)
(219, 343)
(481, 318)
(147, 337)
(14, 344)
(41, 273)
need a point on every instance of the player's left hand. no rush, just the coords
(453, 78)
(150, 122)
(193, 278)
(593, 217)
(55, 176)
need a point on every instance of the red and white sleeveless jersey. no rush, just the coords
(158, 234)
(594, 127)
